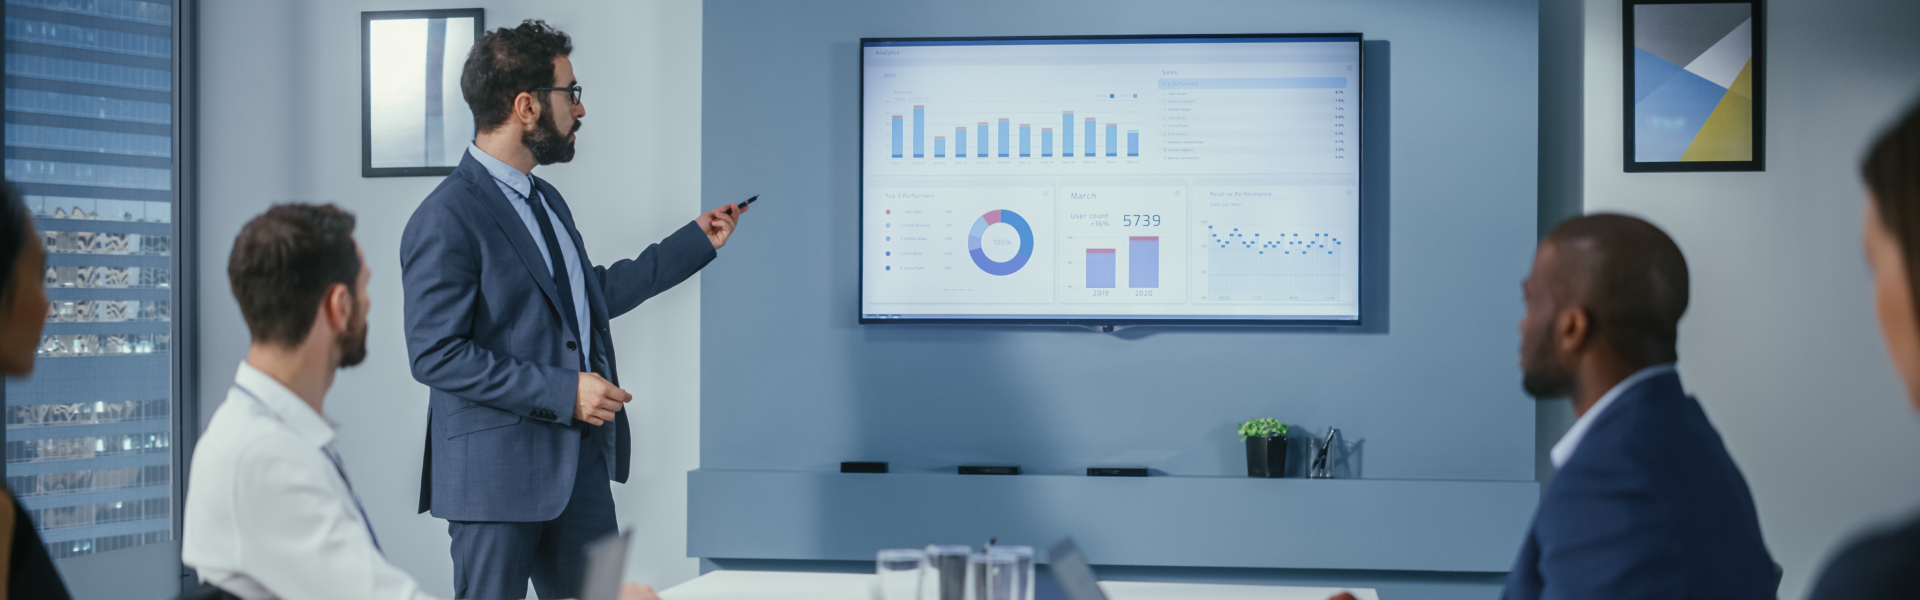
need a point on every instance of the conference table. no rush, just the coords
(782, 585)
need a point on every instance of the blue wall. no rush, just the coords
(1428, 390)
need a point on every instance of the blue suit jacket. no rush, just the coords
(484, 331)
(1649, 506)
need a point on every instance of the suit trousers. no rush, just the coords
(492, 560)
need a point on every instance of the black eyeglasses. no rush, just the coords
(573, 93)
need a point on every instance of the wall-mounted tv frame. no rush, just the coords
(1220, 130)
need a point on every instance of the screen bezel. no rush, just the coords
(1120, 320)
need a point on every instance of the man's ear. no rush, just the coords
(1572, 328)
(526, 109)
(337, 308)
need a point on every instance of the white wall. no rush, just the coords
(1780, 343)
(280, 121)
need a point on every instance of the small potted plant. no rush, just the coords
(1266, 447)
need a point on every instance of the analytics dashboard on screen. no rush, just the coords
(1111, 179)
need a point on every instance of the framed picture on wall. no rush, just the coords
(413, 120)
(1695, 85)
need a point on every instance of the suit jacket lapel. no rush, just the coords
(484, 187)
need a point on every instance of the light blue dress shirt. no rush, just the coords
(517, 186)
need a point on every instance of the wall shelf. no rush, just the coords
(1406, 525)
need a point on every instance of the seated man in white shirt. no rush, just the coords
(270, 513)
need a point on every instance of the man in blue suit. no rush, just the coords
(506, 321)
(1645, 502)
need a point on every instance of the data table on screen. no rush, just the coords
(1143, 147)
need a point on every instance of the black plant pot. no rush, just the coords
(1267, 456)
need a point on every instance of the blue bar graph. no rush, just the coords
(982, 144)
(939, 146)
(1113, 139)
(1003, 138)
(1143, 261)
(960, 142)
(1026, 137)
(897, 141)
(1133, 142)
(919, 131)
(1066, 134)
(1100, 268)
(1089, 153)
(1046, 142)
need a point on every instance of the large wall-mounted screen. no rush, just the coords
(1118, 180)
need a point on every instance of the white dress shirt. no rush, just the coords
(1571, 441)
(517, 187)
(270, 515)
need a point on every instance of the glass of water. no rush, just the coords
(946, 573)
(1022, 568)
(900, 571)
(992, 576)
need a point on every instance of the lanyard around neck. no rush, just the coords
(331, 458)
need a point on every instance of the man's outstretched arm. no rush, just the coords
(661, 266)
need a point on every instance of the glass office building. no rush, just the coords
(89, 143)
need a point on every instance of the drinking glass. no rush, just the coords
(946, 577)
(900, 572)
(1023, 569)
(992, 575)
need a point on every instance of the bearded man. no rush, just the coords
(507, 323)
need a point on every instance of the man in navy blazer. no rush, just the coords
(506, 321)
(1645, 503)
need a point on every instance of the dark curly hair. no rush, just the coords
(506, 62)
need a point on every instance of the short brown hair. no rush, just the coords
(1892, 172)
(283, 263)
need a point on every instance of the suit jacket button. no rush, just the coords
(571, 346)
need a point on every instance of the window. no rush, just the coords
(90, 143)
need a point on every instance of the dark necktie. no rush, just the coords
(560, 279)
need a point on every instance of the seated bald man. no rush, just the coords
(1645, 502)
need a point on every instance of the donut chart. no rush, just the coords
(980, 256)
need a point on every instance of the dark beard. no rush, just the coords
(1543, 386)
(546, 142)
(1544, 378)
(353, 343)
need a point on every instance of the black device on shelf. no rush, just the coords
(989, 470)
(1116, 471)
(855, 466)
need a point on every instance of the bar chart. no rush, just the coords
(1010, 136)
(1122, 244)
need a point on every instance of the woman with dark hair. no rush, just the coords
(25, 569)
(1886, 563)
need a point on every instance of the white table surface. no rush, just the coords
(758, 585)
